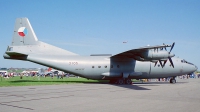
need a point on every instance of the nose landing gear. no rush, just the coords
(172, 80)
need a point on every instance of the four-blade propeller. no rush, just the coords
(169, 57)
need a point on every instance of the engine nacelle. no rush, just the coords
(156, 55)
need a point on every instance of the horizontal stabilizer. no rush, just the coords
(15, 55)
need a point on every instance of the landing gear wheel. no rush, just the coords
(120, 81)
(173, 80)
(128, 81)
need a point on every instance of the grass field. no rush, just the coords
(31, 81)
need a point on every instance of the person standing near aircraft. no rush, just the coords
(61, 75)
(21, 75)
(58, 76)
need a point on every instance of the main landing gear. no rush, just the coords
(121, 81)
(172, 80)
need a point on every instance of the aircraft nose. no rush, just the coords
(196, 67)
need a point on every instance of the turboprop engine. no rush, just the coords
(155, 55)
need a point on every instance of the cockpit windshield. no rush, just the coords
(184, 61)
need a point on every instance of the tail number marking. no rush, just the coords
(73, 63)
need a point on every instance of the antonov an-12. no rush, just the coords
(141, 63)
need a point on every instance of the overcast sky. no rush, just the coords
(101, 26)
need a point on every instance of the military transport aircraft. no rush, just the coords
(145, 62)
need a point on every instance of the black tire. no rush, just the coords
(128, 81)
(120, 81)
(173, 81)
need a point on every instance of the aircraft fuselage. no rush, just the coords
(104, 67)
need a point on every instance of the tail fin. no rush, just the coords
(25, 43)
(23, 33)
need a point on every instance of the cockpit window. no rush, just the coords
(184, 61)
(189, 63)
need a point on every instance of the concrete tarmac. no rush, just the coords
(184, 96)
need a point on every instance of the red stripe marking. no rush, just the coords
(21, 34)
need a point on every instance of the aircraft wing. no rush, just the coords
(134, 53)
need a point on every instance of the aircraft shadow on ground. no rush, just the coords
(145, 83)
(20, 81)
(141, 86)
(133, 87)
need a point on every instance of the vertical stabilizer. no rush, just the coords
(25, 44)
(23, 33)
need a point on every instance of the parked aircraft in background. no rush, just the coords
(145, 62)
(54, 71)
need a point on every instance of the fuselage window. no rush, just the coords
(111, 66)
(92, 66)
(105, 66)
(99, 66)
(117, 66)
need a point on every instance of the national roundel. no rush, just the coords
(22, 31)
